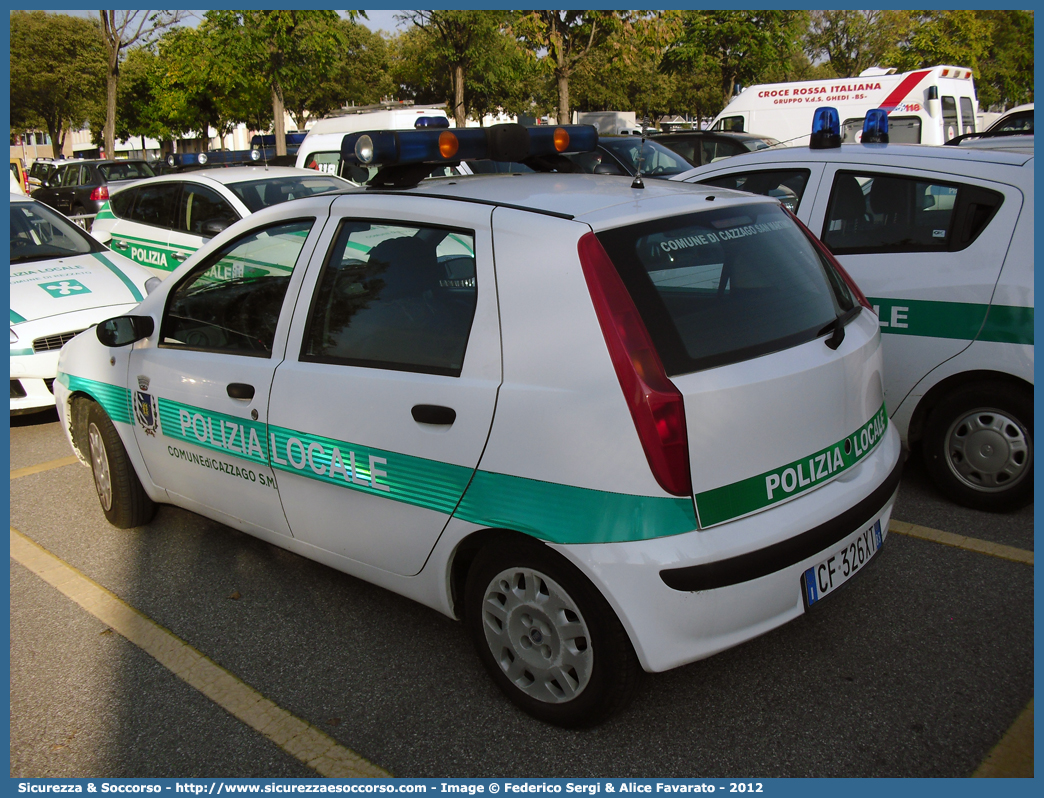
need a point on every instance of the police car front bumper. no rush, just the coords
(686, 597)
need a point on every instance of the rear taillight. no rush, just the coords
(656, 405)
(856, 291)
(100, 193)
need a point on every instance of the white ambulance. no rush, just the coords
(926, 106)
(321, 148)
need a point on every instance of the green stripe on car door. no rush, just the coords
(960, 320)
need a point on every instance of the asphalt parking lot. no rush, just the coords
(918, 668)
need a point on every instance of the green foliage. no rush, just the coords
(57, 72)
(734, 47)
(955, 38)
(852, 41)
(1006, 71)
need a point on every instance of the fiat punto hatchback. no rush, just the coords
(612, 426)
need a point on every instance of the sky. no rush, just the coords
(381, 19)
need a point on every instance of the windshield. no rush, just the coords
(657, 160)
(258, 194)
(38, 233)
(126, 170)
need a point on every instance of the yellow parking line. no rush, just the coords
(962, 542)
(1013, 755)
(36, 469)
(298, 738)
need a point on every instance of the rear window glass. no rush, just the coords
(727, 285)
(130, 170)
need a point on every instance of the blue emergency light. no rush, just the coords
(431, 121)
(875, 126)
(510, 142)
(826, 129)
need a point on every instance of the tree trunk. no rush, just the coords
(563, 100)
(278, 122)
(458, 95)
(112, 79)
(56, 139)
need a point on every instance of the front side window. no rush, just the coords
(727, 285)
(883, 213)
(733, 123)
(786, 185)
(232, 300)
(396, 297)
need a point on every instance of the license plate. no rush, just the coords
(827, 576)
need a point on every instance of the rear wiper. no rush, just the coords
(837, 326)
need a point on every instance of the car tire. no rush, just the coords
(122, 497)
(978, 447)
(546, 635)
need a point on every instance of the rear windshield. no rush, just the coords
(130, 170)
(258, 194)
(726, 285)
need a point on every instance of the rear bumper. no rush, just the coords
(686, 597)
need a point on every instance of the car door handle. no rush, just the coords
(240, 390)
(434, 414)
(117, 244)
(179, 256)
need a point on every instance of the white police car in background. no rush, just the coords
(62, 282)
(941, 240)
(159, 222)
(611, 425)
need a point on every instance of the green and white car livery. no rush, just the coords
(62, 282)
(941, 240)
(160, 222)
(519, 400)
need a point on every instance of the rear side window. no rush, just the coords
(786, 185)
(156, 205)
(884, 213)
(199, 205)
(716, 149)
(258, 194)
(951, 127)
(727, 285)
(396, 297)
(121, 202)
(967, 116)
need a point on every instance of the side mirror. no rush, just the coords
(213, 227)
(124, 330)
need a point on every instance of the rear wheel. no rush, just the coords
(122, 497)
(978, 447)
(546, 635)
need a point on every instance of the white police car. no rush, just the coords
(612, 425)
(941, 239)
(62, 282)
(159, 222)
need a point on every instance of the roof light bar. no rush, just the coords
(826, 129)
(509, 142)
(875, 126)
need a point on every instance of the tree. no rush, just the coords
(285, 49)
(53, 87)
(1006, 71)
(460, 40)
(568, 38)
(359, 74)
(736, 47)
(955, 38)
(855, 40)
(121, 29)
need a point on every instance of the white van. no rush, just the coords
(926, 106)
(321, 148)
